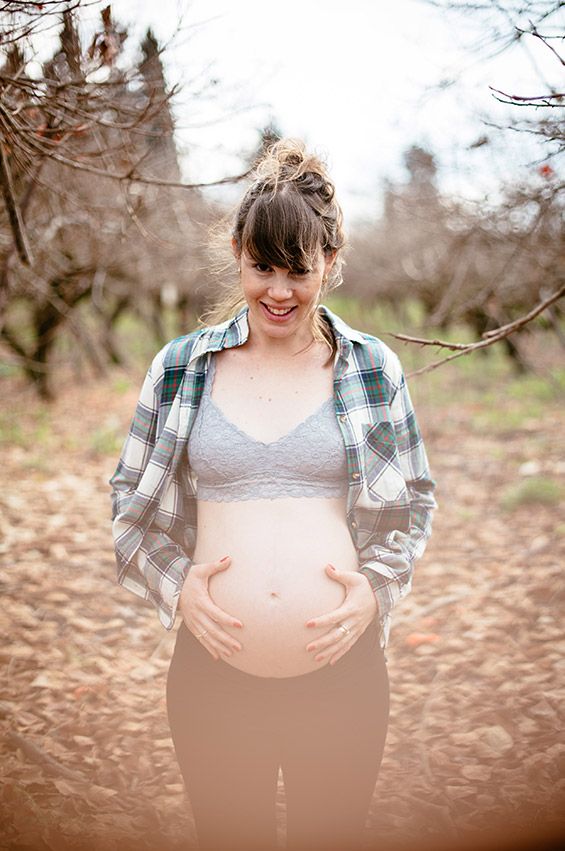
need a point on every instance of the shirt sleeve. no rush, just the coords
(150, 563)
(388, 560)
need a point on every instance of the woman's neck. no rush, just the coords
(262, 345)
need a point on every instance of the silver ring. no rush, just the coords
(346, 631)
(201, 634)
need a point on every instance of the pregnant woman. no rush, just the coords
(274, 489)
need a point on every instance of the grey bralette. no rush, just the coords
(230, 465)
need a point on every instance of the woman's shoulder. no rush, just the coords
(376, 355)
(369, 350)
(177, 352)
(171, 360)
(170, 363)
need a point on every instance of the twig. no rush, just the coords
(16, 221)
(436, 604)
(46, 149)
(422, 748)
(524, 100)
(37, 755)
(533, 31)
(150, 181)
(493, 336)
(526, 97)
(539, 308)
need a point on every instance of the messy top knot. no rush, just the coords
(287, 160)
(290, 211)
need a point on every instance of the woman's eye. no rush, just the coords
(301, 272)
(262, 267)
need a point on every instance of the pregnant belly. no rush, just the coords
(277, 579)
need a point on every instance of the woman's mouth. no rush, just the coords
(276, 314)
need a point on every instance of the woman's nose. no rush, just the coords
(280, 287)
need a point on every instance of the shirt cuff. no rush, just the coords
(169, 586)
(385, 589)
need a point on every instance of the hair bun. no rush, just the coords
(287, 160)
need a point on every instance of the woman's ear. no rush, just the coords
(235, 248)
(329, 260)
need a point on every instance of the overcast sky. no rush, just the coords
(359, 80)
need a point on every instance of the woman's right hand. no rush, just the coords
(200, 613)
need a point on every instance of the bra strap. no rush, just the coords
(210, 376)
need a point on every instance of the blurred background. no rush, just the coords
(127, 131)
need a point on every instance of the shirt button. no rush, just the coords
(355, 475)
(354, 524)
(343, 418)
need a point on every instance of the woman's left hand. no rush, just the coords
(356, 613)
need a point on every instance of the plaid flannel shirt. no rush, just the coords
(390, 498)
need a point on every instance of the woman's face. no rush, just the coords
(293, 295)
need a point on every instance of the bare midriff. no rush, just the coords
(277, 579)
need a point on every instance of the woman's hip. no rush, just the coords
(362, 670)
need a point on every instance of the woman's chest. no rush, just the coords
(267, 400)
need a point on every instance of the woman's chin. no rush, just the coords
(274, 328)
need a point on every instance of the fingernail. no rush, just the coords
(310, 623)
(237, 623)
(331, 567)
(225, 558)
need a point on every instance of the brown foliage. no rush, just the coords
(475, 659)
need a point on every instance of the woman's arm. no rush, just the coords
(150, 561)
(387, 559)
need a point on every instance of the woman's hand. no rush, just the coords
(356, 613)
(201, 614)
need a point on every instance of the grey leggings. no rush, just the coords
(232, 730)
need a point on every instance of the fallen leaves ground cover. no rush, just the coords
(476, 657)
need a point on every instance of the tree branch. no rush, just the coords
(14, 215)
(524, 100)
(490, 337)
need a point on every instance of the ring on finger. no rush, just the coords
(345, 629)
(201, 634)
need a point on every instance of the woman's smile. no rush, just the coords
(277, 314)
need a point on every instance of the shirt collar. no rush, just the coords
(235, 331)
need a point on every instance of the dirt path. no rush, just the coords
(476, 659)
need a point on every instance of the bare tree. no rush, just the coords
(90, 178)
(487, 264)
(484, 266)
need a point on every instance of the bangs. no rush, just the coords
(282, 230)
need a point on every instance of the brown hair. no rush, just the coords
(287, 214)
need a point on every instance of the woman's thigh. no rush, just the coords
(231, 732)
(226, 749)
(335, 732)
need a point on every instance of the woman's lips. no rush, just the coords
(273, 317)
